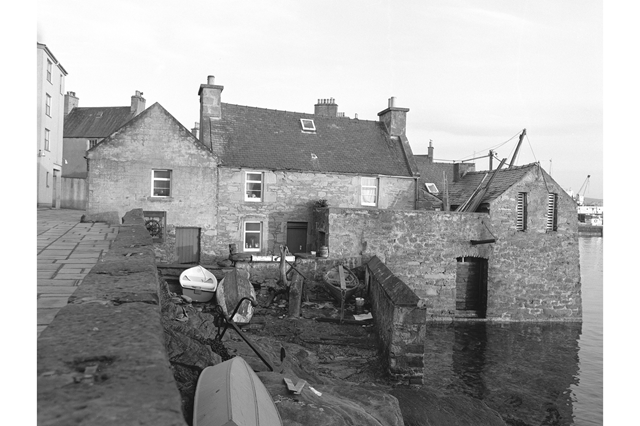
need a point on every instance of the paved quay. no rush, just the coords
(67, 250)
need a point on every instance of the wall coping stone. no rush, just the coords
(397, 291)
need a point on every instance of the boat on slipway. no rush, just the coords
(231, 393)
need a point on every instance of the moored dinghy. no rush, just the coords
(331, 280)
(198, 283)
(233, 287)
(231, 393)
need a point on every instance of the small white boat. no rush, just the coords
(198, 283)
(231, 393)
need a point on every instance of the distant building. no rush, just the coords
(85, 127)
(50, 115)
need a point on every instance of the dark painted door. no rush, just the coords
(471, 290)
(188, 244)
(297, 237)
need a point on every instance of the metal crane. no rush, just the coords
(580, 194)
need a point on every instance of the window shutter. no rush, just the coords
(552, 212)
(521, 211)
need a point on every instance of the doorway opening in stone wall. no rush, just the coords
(297, 237)
(471, 287)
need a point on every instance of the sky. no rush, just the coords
(473, 74)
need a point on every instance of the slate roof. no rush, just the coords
(433, 172)
(270, 139)
(95, 122)
(460, 191)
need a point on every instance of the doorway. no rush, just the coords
(297, 237)
(188, 244)
(471, 287)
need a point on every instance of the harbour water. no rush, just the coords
(530, 373)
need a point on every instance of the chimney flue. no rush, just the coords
(326, 107)
(392, 102)
(211, 80)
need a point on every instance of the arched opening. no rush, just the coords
(471, 287)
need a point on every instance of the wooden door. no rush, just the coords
(297, 237)
(188, 244)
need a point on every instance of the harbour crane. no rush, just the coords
(582, 191)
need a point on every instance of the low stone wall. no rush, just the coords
(102, 360)
(400, 321)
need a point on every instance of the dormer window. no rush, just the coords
(432, 188)
(307, 125)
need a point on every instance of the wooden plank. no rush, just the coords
(343, 284)
(295, 295)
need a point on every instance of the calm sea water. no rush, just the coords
(530, 373)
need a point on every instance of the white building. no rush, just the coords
(50, 106)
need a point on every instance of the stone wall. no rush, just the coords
(532, 275)
(419, 247)
(400, 322)
(290, 197)
(102, 360)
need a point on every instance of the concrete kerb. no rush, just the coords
(102, 360)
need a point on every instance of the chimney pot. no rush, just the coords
(392, 102)
(211, 80)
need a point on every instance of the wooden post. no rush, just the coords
(295, 294)
(343, 289)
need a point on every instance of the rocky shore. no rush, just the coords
(345, 382)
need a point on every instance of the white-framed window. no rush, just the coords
(552, 212)
(49, 65)
(161, 183)
(432, 188)
(307, 125)
(369, 191)
(253, 186)
(47, 145)
(48, 105)
(252, 236)
(92, 143)
(47, 179)
(521, 211)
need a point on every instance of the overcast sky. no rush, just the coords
(474, 74)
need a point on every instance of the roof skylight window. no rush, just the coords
(307, 125)
(432, 188)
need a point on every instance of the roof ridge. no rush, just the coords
(503, 170)
(295, 112)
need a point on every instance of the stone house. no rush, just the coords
(85, 127)
(274, 166)
(253, 177)
(156, 164)
(515, 258)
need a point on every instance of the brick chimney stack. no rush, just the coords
(137, 103)
(326, 108)
(210, 108)
(430, 152)
(394, 118)
(70, 102)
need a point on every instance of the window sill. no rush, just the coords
(160, 199)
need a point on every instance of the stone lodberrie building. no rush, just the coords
(515, 257)
(254, 176)
(85, 127)
(50, 98)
